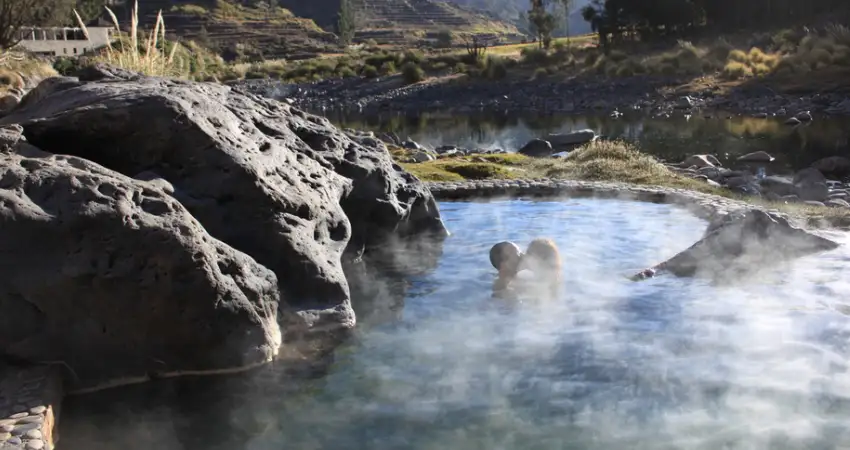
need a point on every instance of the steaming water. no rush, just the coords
(666, 363)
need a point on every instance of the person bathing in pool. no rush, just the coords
(542, 262)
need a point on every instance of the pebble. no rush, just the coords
(32, 419)
(15, 441)
(24, 427)
(4, 436)
(6, 427)
(33, 434)
(18, 416)
(38, 410)
(35, 444)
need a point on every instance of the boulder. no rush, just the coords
(115, 280)
(811, 185)
(738, 244)
(281, 185)
(778, 185)
(8, 102)
(572, 138)
(421, 157)
(536, 148)
(411, 145)
(838, 166)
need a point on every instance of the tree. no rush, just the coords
(568, 8)
(543, 22)
(346, 25)
(15, 14)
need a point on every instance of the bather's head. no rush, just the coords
(542, 256)
(505, 257)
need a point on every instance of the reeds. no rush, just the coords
(151, 58)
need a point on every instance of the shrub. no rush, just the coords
(256, 75)
(64, 65)
(460, 68)
(616, 56)
(369, 71)
(735, 70)
(496, 68)
(412, 73)
(477, 171)
(347, 72)
(388, 68)
(738, 56)
(539, 73)
(445, 39)
(720, 50)
(190, 9)
(412, 56)
(534, 56)
(756, 56)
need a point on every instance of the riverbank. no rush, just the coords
(807, 195)
(658, 96)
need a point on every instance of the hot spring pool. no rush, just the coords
(662, 364)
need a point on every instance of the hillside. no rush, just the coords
(509, 10)
(236, 31)
(380, 18)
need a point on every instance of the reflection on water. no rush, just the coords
(663, 364)
(671, 139)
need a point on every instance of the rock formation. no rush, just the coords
(270, 182)
(741, 243)
(115, 280)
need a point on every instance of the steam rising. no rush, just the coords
(664, 363)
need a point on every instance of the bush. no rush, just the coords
(738, 56)
(460, 68)
(535, 56)
(369, 71)
(496, 68)
(735, 70)
(388, 68)
(66, 66)
(412, 73)
(347, 72)
(445, 39)
(539, 73)
(412, 56)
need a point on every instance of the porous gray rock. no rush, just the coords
(253, 185)
(283, 186)
(115, 279)
(738, 244)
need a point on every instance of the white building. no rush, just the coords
(64, 41)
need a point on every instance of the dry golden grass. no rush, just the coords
(151, 58)
(17, 67)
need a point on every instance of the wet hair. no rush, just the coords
(546, 251)
(545, 255)
(500, 251)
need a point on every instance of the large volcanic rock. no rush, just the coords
(114, 279)
(280, 185)
(742, 243)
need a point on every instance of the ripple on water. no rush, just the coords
(666, 363)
